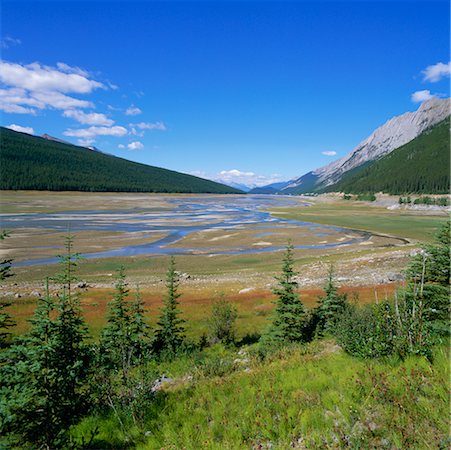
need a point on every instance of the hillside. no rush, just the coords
(420, 166)
(34, 163)
(395, 133)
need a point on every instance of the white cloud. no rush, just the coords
(132, 111)
(250, 179)
(92, 132)
(135, 132)
(150, 126)
(235, 173)
(329, 153)
(436, 72)
(69, 69)
(421, 96)
(20, 128)
(85, 142)
(135, 145)
(88, 118)
(121, 146)
(9, 41)
(24, 89)
(59, 101)
(39, 78)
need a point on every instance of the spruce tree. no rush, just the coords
(44, 374)
(169, 335)
(289, 314)
(331, 306)
(115, 341)
(5, 318)
(139, 329)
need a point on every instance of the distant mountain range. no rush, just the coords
(45, 163)
(394, 134)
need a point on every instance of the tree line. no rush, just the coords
(56, 374)
(30, 162)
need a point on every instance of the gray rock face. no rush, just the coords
(393, 134)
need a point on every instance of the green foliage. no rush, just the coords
(414, 319)
(420, 166)
(331, 306)
(432, 264)
(368, 197)
(30, 162)
(426, 200)
(125, 339)
(170, 332)
(289, 314)
(5, 318)
(221, 324)
(5, 264)
(314, 396)
(44, 374)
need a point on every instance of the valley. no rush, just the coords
(228, 244)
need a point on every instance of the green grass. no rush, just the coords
(313, 397)
(368, 218)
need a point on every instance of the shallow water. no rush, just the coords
(189, 214)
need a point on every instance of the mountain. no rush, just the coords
(51, 138)
(420, 166)
(30, 162)
(393, 134)
(240, 186)
(272, 188)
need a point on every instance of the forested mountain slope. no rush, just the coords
(30, 162)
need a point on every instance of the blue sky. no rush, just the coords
(262, 89)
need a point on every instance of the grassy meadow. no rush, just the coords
(408, 224)
(304, 397)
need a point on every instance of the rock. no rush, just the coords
(35, 294)
(245, 290)
(17, 295)
(159, 382)
(395, 277)
(82, 285)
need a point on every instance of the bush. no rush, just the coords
(221, 325)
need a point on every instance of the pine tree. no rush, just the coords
(331, 306)
(44, 374)
(115, 341)
(139, 329)
(289, 314)
(169, 335)
(5, 319)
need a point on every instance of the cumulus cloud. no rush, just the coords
(421, 96)
(250, 179)
(85, 142)
(36, 77)
(25, 89)
(329, 153)
(92, 132)
(121, 146)
(88, 118)
(8, 41)
(150, 126)
(132, 111)
(20, 128)
(436, 72)
(234, 173)
(136, 145)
